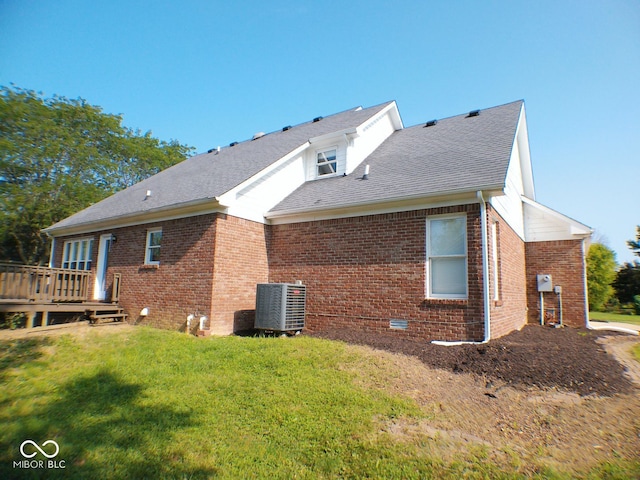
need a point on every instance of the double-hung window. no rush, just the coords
(77, 254)
(152, 253)
(326, 162)
(447, 257)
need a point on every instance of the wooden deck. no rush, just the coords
(32, 290)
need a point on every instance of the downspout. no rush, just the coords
(52, 252)
(485, 268)
(485, 279)
(586, 288)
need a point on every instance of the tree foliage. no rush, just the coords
(627, 282)
(634, 245)
(601, 272)
(58, 156)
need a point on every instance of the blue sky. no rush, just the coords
(211, 72)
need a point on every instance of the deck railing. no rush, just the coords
(42, 284)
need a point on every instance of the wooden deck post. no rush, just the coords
(30, 319)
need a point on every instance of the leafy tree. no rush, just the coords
(634, 245)
(601, 271)
(58, 156)
(627, 282)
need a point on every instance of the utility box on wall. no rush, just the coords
(280, 307)
(545, 283)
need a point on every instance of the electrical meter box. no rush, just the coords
(545, 283)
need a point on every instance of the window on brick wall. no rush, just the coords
(77, 254)
(447, 257)
(154, 239)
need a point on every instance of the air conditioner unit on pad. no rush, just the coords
(280, 307)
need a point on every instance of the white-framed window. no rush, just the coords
(76, 254)
(152, 251)
(327, 162)
(447, 257)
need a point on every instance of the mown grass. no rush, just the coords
(614, 317)
(157, 404)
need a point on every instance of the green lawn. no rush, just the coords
(614, 317)
(157, 404)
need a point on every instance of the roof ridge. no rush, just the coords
(359, 108)
(467, 113)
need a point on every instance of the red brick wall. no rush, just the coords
(240, 264)
(509, 312)
(564, 261)
(363, 271)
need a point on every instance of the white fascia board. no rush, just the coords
(577, 229)
(187, 209)
(357, 209)
(229, 197)
(357, 131)
(395, 115)
(337, 134)
(522, 137)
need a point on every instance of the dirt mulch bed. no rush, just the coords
(563, 358)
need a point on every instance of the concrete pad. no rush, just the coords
(615, 327)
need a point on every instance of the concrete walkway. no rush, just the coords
(616, 327)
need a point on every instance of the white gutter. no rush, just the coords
(485, 280)
(454, 195)
(158, 214)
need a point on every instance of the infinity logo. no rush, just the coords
(37, 447)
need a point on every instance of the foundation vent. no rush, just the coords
(396, 324)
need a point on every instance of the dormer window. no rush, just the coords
(326, 162)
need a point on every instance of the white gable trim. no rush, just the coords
(545, 224)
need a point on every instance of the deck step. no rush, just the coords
(115, 314)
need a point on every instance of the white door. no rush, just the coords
(100, 287)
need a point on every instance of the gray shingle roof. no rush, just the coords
(209, 175)
(460, 153)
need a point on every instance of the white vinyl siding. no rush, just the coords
(152, 252)
(447, 257)
(77, 254)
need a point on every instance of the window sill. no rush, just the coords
(447, 301)
(150, 266)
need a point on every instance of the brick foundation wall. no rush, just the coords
(363, 271)
(240, 264)
(509, 311)
(564, 261)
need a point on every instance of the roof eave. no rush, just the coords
(407, 202)
(186, 209)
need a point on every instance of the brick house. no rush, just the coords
(435, 226)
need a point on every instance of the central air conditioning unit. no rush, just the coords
(280, 307)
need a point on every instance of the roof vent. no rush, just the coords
(474, 113)
(211, 150)
(233, 144)
(317, 119)
(288, 127)
(258, 135)
(431, 123)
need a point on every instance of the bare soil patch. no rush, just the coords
(573, 360)
(521, 412)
